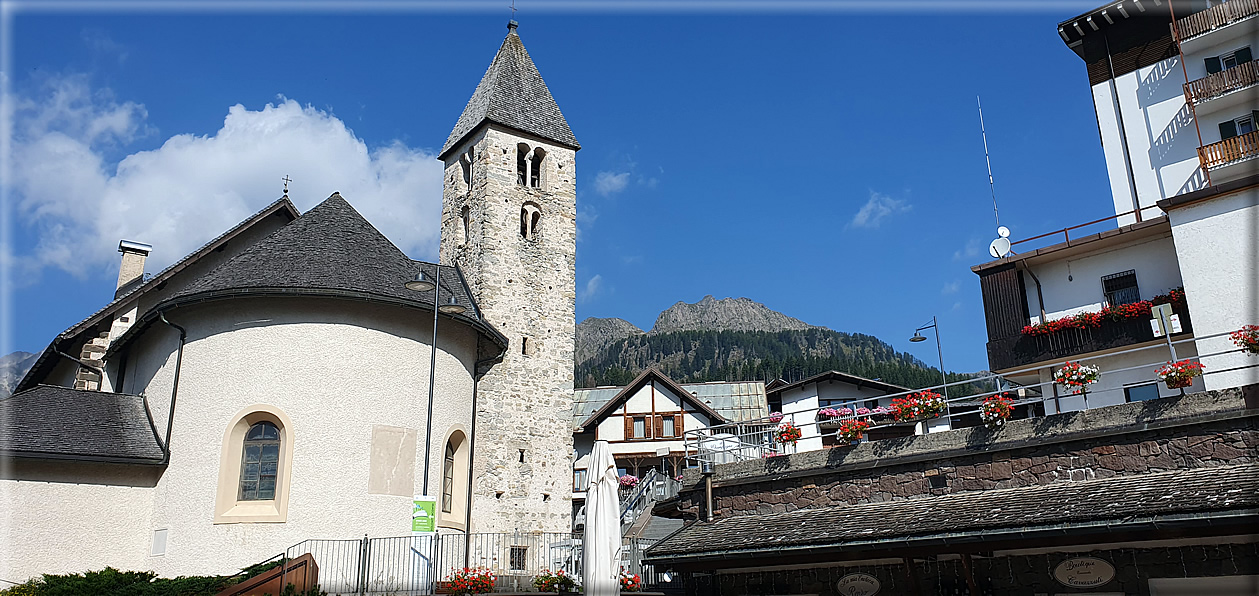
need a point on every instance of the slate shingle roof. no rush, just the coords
(60, 422)
(328, 251)
(1058, 504)
(513, 94)
(48, 358)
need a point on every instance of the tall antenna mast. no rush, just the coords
(991, 187)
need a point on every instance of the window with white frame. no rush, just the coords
(1239, 126)
(1223, 62)
(1141, 392)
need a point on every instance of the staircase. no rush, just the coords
(636, 518)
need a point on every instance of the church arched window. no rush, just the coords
(465, 165)
(522, 164)
(535, 168)
(260, 463)
(530, 221)
(454, 486)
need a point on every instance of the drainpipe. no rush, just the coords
(179, 359)
(1123, 135)
(467, 509)
(1040, 297)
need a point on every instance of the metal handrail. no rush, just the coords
(1066, 232)
(744, 449)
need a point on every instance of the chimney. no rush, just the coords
(131, 272)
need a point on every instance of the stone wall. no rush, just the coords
(525, 287)
(1207, 429)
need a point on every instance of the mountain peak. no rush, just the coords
(726, 314)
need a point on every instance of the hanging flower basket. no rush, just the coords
(775, 417)
(923, 405)
(851, 431)
(787, 434)
(1247, 338)
(1074, 375)
(1179, 374)
(628, 481)
(995, 410)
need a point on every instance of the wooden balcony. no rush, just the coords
(1022, 350)
(1229, 151)
(1226, 81)
(1215, 17)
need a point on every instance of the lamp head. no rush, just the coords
(421, 283)
(452, 306)
(917, 337)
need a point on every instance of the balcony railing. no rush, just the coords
(1022, 350)
(1215, 17)
(1230, 151)
(1217, 84)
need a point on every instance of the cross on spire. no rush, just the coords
(286, 180)
(513, 10)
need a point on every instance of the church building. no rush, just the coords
(272, 386)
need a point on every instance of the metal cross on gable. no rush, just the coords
(286, 180)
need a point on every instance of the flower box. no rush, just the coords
(1179, 374)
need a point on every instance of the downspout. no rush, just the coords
(1123, 135)
(1040, 297)
(179, 359)
(467, 509)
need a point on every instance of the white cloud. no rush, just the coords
(877, 209)
(192, 188)
(591, 289)
(951, 288)
(610, 183)
(970, 251)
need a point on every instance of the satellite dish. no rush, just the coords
(1003, 231)
(999, 247)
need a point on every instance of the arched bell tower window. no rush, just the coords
(535, 168)
(465, 165)
(530, 221)
(522, 164)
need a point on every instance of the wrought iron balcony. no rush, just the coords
(1021, 350)
(1217, 16)
(1230, 151)
(1226, 81)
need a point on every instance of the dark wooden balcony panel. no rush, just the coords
(1230, 150)
(1021, 350)
(1220, 15)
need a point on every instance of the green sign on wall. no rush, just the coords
(424, 514)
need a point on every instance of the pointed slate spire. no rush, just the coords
(513, 94)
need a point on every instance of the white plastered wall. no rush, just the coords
(1217, 242)
(1109, 388)
(335, 368)
(1074, 285)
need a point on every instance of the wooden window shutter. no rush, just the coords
(659, 426)
(677, 425)
(1228, 129)
(629, 426)
(1214, 65)
(1242, 55)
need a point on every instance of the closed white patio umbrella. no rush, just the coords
(601, 544)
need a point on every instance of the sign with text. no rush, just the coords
(857, 584)
(424, 514)
(1084, 572)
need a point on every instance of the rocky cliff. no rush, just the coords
(727, 314)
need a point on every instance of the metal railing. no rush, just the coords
(1216, 84)
(1066, 232)
(414, 565)
(1220, 15)
(652, 488)
(727, 443)
(1231, 150)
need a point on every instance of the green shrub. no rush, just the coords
(112, 582)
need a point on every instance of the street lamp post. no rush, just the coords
(944, 380)
(422, 283)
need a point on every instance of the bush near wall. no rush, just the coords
(112, 582)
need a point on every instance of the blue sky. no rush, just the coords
(827, 164)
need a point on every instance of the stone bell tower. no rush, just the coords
(509, 220)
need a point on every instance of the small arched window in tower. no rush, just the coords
(522, 164)
(465, 225)
(535, 168)
(530, 221)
